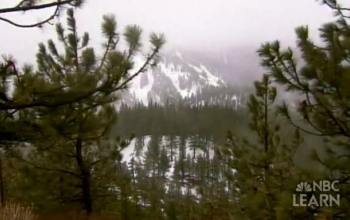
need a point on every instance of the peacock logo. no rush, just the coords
(303, 187)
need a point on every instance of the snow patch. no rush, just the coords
(141, 93)
(175, 73)
(213, 80)
(179, 55)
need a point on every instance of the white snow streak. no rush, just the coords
(174, 73)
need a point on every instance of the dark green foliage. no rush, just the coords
(76, 160)
(265, 175)
(322, 82)
(180, 119)
(75, 153)
(69, 77)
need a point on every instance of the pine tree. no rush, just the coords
(78, 162)
(195, 142)
(322, 81)
(65, 78)
(164, 164)
(139, 145)
(172, 143)
(265, 176)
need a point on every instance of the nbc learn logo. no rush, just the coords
(316, 194)
(303, 187)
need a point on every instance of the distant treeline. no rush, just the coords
(179, 119)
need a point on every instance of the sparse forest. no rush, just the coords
(67, 151)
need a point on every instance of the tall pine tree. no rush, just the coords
(78, 161)
(321, 80)
(263, 173)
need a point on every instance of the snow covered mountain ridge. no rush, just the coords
(198, 77)
(174, 77)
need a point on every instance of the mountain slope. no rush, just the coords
(173, 77)
(224, 77)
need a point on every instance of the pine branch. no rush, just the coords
(50, 169)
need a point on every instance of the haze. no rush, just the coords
(190, 24)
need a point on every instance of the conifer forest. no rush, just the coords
(71, 147)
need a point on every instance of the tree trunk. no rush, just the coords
(2, 182)
(85, 178)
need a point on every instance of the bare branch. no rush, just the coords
(35, 7)
(24, 6)
(38, 24)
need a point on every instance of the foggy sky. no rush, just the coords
(194, 24)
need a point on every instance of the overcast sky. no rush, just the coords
(187, 23)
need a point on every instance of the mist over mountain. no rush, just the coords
(216, 77)
(180, 74)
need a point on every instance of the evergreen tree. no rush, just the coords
(139, 145)
(65, 78)
(172, 143)
(322, 80)
(265, 176)
(78, 162)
